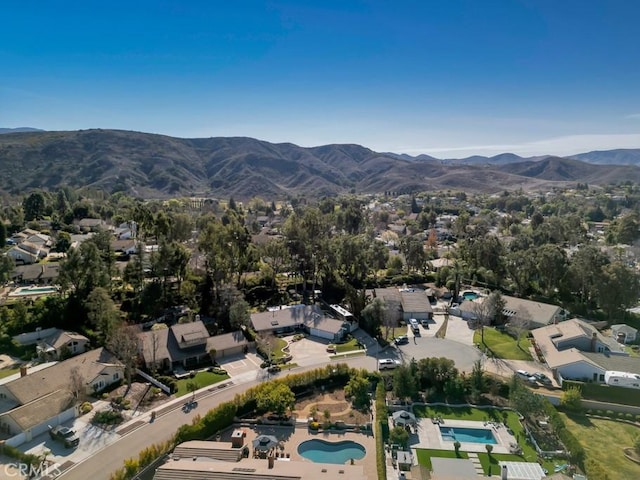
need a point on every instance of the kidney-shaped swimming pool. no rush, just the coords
(319, 451)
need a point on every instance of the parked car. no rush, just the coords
(542, 378)
(64, 435)
(274, 369)
(331, 348)
(401, 340)
(387, 363)
(526, 376)
(425, 323)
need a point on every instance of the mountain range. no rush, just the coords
(158, 166)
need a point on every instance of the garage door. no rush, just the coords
(321, 333)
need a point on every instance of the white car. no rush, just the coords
(387, 363)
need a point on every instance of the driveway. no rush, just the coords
(459, 331)
(309, 350)
(464, 356)
(242, 367)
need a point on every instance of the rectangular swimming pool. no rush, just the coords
(472, 435)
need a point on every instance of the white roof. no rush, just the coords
(523, 470)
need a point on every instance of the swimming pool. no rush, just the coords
(319, 451)
(472, 435)
(26, 291)
(470, 295)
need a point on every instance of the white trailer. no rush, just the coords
(622, 379)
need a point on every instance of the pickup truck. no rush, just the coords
(64, 435)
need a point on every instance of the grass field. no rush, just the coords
(203, 379)
(395, 332)
(352, 344)
(503, 345)
(424, 455)
(5, 372)
(603, 441)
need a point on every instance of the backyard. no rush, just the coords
(603, 441)
(509, 417)
(503, 345)
(5, 372)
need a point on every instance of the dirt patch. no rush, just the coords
(333, 402)
(140, 397)
(9, 362)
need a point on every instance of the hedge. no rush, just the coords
(381, 417)
(571, 443)
(604, 393)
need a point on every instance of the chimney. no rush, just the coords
(23, 371)
(594, 341)
(503, 473)
(271, 460)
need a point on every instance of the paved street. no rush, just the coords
(464, 356)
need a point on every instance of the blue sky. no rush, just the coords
(451, 78)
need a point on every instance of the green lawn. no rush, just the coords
(203, 379)
(603, 441)
(5, 372)
(424, 455)
(395, 332)
(348, 346)
(503, 345)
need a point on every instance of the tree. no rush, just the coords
(572, 400)
(192, 387)
(77, 384)
(399, 436)
(6, 268)
(522, 399)
(101, 312)
(83, 270)
(435, 372)
(520, 323)
(477, 379)
(63, 243)
(3, 233)
(239, 313)
(404, 383)
(585, 267)
(34, 206)
(374, 315)
(489, 448)
(617, 289)
(488, 310)
(123, 343)
(358, 390)
(456, 447)
(275, 397)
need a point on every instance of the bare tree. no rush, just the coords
(77, 384)
(520, 323)
(487, 311)
(123, 343)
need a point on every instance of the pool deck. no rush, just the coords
(294, 436)
(428, 436)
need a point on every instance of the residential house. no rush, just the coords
(624, 333)
(62, 345)
(307, 318)
(186, 345)
(26, 253)
(538, 314)
(126, 246)
(49, 396)
(36, 274)
(392, 299)
(91, 224)
(574, 349)
(53, 343)
(415, 304)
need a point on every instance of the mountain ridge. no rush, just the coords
(155, 166)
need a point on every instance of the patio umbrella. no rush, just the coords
(265, 443)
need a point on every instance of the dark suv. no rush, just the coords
(64, 435)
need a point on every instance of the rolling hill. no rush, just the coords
(156, 166)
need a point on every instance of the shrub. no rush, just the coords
(85, 408)
(107, 417)
(629, 416)
(314, 426)
(572, 400)
(636, 445)
(610, 413)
